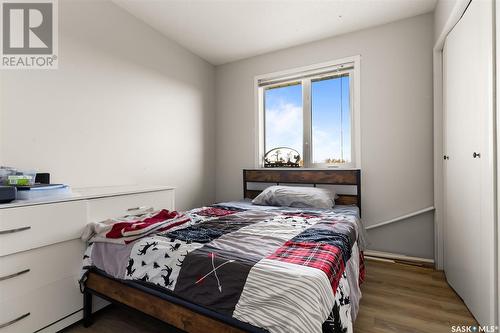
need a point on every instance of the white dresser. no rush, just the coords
(41, 252)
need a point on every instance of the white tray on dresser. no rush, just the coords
(41, 252)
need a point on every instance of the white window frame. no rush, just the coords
(354, 74)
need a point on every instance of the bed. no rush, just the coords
(237, 267)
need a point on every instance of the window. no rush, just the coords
(331, 120)
(284, 122)
(308, 118)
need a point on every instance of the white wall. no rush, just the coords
(396, 124)
(125, 106)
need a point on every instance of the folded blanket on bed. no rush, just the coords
(126, 229)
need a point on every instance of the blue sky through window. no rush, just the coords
(331, 123)
(284, 125)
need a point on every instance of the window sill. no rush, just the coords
(299, 169)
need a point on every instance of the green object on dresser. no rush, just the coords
(20, 180)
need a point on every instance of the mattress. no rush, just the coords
(272, 268)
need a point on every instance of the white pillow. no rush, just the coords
(294, 196)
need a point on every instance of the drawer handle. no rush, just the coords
(138, 208)
(14, 320)
(11, 231)
(14, 275)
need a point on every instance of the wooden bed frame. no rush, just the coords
(182, 314)
(310, 177)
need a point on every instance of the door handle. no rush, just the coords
(476, 155)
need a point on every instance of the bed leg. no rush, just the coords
(87, 309)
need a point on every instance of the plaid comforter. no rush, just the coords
(283, 270)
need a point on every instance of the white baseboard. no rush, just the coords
(395, 256)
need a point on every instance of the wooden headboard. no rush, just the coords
(312, 177)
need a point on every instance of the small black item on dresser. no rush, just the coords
(7, 194)
(42, 178)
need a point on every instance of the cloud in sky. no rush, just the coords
(284, 123)
(284, 126)
(326, 145)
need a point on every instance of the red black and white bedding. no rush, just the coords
(279, 269)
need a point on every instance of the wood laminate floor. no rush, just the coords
(396, 298)
(403, 298)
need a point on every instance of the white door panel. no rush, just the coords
(468, 229)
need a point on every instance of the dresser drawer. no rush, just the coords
(104, 208)
(26, 228)
(24, 272)
(44, 306)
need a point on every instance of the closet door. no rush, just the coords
(468, 166)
